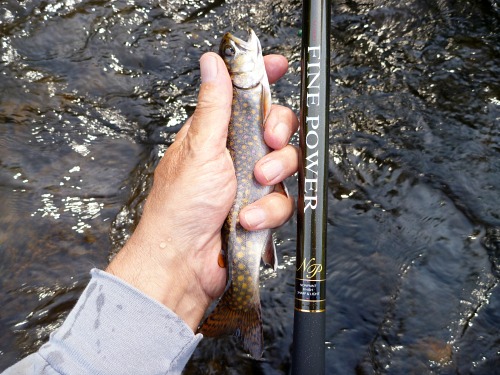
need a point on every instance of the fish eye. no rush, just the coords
(229, 51)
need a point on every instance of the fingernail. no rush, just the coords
(208, 68)
(271, 169)
(255, 216)
(282, 132)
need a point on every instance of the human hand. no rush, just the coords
(172, 254)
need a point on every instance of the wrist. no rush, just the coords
(160, 272)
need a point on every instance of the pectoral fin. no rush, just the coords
(266, 99)
(281, 188)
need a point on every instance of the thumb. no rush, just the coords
(210, 120)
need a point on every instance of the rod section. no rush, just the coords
(308, 350)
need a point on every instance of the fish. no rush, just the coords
(238, 311)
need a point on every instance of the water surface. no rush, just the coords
(94, 91)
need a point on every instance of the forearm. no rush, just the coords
(114, 329)
(155, 266)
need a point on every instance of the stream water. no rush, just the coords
(93, 91)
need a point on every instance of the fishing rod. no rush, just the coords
(308, 349)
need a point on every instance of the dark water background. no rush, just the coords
(92, 93)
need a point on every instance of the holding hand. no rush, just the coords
(172, 255)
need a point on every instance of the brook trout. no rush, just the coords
(238, 311)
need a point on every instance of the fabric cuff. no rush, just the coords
(116, 329)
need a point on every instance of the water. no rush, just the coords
(93, 92)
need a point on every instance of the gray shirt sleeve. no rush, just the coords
(114, 329)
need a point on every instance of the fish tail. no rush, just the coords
(244, 323)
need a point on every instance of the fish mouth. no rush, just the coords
(251, 44)
(243, 59)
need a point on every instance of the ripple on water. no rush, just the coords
(93, 92)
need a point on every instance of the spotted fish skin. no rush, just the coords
(238, 312)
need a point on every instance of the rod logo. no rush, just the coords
(312, 125)
(310, 268)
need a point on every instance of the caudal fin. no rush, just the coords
(245, 324)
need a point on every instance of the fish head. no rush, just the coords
(243, 59)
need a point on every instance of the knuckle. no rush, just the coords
(280, 208)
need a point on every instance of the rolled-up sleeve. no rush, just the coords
(114, 329)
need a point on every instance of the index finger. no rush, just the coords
(276, 67)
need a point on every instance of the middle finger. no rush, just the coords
(280, 126)
(277, 165)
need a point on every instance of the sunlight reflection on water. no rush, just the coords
(93, 93)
